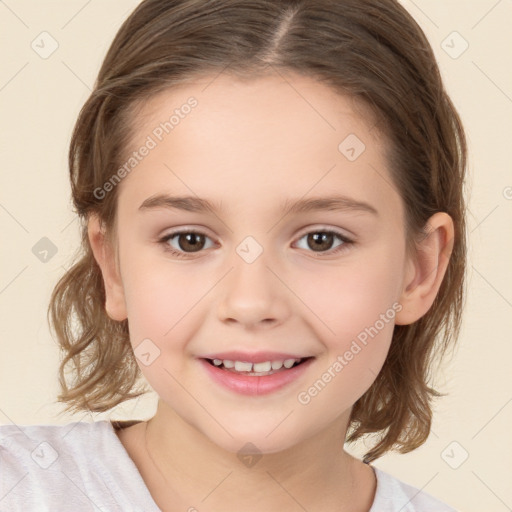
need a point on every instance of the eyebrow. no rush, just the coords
(197, 204)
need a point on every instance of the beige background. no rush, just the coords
(40, 99)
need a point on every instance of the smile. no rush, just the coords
(256, 369)
(255, 378)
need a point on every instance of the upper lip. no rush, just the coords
(255, 357)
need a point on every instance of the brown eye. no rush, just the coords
(190, 241)
(182, 243)
(320, 241)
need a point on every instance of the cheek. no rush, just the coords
(354, 313)
(163, 300)
(350, 297)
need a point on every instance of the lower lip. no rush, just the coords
(255, 385)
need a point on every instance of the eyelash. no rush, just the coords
(180, 254)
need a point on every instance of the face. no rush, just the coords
(252, 274)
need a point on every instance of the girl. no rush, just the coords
(274, 238)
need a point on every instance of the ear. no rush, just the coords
(115, 305)
(426, 269)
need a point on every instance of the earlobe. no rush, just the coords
(115, 304)
(426, 271)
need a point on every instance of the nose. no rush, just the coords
(253, 295)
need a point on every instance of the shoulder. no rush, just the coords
(393, 495)
(81, 461)
(44, 445)
(46, 460)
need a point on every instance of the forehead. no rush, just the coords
(277, 135)
(262, 102)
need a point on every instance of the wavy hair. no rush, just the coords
(370, 50)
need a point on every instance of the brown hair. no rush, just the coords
(370, 50)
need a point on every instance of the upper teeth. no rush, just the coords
(242, 366)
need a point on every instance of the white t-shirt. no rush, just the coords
(83, 466)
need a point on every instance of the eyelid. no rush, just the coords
(181, 231)
(308, 229)
(315, 228)
(324, 227)
(187, 229)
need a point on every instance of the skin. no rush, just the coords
(250, 145)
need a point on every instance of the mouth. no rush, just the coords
(257, 373)
(261, 369)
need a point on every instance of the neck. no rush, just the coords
(192, 470)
